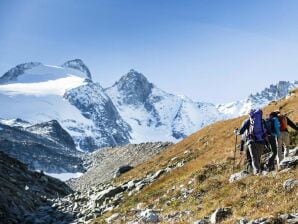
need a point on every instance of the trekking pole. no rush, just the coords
(234, 161)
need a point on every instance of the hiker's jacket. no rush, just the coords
(245, 127)
(276, 126)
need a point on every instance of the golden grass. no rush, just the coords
(209, 163)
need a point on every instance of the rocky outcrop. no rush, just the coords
(290, 184)
(78, 64)
(22, 191)
(106, 162)
(238, 176)
(285, 218)
(122, 169)
(220, 214)
(289, 162)
(95, 105)
(217, 216)
(44, 147)
(53, 130)
(83, 206)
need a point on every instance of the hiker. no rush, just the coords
(284, 137)
(273, 133)
(255, 142)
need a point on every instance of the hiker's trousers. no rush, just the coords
(255, 150)
(273, 145)
(283, 144)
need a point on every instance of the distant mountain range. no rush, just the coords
(133, 110)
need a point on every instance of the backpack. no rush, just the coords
(283, 122)
(256, 129)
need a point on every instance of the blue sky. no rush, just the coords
(209, 50)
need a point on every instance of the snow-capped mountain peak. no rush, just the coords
(134, 87)
(155, 114)
(38, 93)
(78, 64)
(257, 100)
(13, 74)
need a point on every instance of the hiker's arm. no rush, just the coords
(291, 124)
(244, 127)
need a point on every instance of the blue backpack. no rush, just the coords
(256, 129)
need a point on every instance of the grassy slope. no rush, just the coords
(209, 165)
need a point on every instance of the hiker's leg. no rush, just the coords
(248, 160)
(286, 140)
(254, 157)
(260, 148)
(279, 157)
(273, 145)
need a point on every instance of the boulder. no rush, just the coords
(149, 216)
(220, 214)
(290, 184)
(293, 152)
(289, 162)
(238, 176)
(108, 193)
(202, 221)
(112, 218)
(122, 169)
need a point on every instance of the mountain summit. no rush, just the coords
(134, 87)
(133, 110)
(37, 93)
(78, 64)
(13, 74)
(258, 100)
(154, 114)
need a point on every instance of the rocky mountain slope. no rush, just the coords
(186, 183)
(107, 162)
(189, 182)
(45, 146)
(199, 190)
(22, 191)
(155, 115)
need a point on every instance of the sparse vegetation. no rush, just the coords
(204, 178)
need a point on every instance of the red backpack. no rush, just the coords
(283, 122)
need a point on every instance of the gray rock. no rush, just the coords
(122, 169)
(202, 221)
(243, 221)
(290, 184)
(238, 176)
(220, 214)
(293, 152)
(158, 174)
(112, 218)
(21, 201)
(289, 162)
(149, 215)
(108, 193)
(53, 151)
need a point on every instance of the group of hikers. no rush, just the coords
(257, 134)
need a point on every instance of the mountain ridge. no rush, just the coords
(132, 110)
